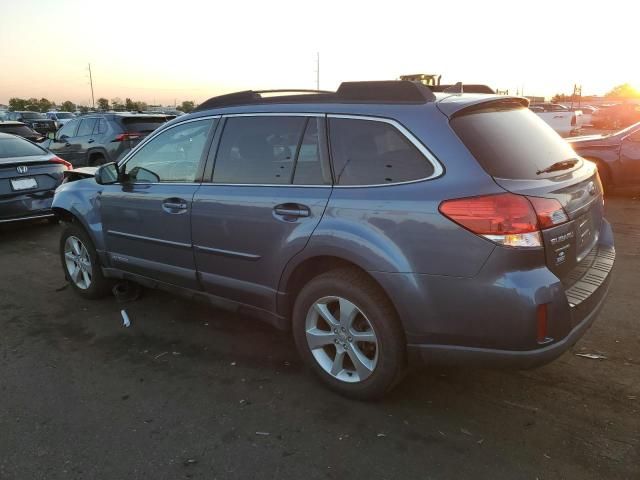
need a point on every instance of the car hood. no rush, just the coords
(592, 140)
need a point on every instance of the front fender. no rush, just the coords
(81, 199)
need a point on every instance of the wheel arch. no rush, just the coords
(297, 276)
(96, 152)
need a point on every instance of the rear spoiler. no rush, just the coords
(452, 106)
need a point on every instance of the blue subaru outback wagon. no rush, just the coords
(380, 223)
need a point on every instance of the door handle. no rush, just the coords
(174, 205)
(91, 140)
(67, 144)
(291, 211)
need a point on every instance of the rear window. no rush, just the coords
(16, 147)
(512, 142)
(16, 129)
(32, 115)
(142, 125)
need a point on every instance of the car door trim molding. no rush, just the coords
(227, 253)
(438, 169)
(143, 238)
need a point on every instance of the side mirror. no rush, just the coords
(107, 174)
(51, 136)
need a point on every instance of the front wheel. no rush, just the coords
(80, 263)
(348, 333)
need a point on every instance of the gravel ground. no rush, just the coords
(193, 392)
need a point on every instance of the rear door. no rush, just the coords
(525, 156)
(268, 191)
(147, 218)
(84, 139)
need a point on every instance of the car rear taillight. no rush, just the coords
(506, 218)
(60, 161)
(127, 136)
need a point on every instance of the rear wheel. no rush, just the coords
(348, 333)
(80, 263)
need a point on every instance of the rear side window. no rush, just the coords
(259, 150)
(142, 124)
(369, 152)
(17, 147)
(512, 142)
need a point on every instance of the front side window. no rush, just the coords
(259, 150)
(369, 152)
(172, 156)
(68, 129)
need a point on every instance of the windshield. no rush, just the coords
(17, 147)
(32, 115)
(513, 142)
(625, 131)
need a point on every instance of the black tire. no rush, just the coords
(371, 300)
(96, 159)
(605, 176)
(99, 286)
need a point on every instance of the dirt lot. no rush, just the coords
(192, 392)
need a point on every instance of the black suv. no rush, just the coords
(36, 120)
(101, 138)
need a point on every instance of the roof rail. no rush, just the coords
(388, 91)
(462, 88)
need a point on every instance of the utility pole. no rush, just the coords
(317, 70)
(93, 102)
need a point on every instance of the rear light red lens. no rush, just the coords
(60, 161)
(501, 214)
(549, 211)
(127, 136)
(541, 319)
(506, 218)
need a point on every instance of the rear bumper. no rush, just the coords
(26, 206)
(520, 359)
(490, 319)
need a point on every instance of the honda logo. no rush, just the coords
(22, 169)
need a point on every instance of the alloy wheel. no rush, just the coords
(341, 339)
(77, 262)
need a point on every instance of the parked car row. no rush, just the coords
(562, 119)
(35, 120)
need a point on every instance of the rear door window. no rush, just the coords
(101, 127)
(512, 142)
(370, 152)
(260, 150)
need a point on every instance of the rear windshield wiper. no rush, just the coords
(563, 165)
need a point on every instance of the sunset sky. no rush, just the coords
(160, 51)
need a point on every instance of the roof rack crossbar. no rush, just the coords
(388, 91)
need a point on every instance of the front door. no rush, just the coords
(270, 185)
(146, 218)
(63, 145)
(630, 159)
